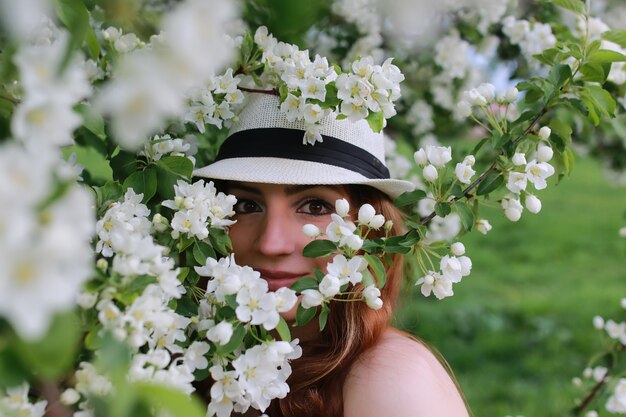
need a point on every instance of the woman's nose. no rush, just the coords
(278, 236)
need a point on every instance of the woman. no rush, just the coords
(359, 366)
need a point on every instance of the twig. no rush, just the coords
(253, 90)
(52, 394)
(596, 389)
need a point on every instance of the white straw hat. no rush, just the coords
(263, 146)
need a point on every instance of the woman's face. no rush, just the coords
(268, 233)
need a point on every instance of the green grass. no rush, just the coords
(519, 327)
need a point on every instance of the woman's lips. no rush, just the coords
(278, 279)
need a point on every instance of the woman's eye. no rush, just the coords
(246, 206)
(316, 208)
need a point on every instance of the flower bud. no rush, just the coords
(533, 204)
(221, 333)
(388, 225)
(598, 322)
(510, 95)
(311, 298)
(330, 285)
(623, 303)
(429, 279)
(463, 109)
(102, 264)
(577, 381)
(488, 91)
(86, 300)
(544, 133)
(354, 242)
(430, 173)
(420, 157)
(70, 396)
(342, 207)
(591, 413)
(366, 213)
(622, 233)
(372, 297)
(457, 248)
(377, 221)
(483, 226)
(519, 159)
(544, 153)
(512, 208)
(311, 230)
(469, 160)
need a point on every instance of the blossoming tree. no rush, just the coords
(117, 279)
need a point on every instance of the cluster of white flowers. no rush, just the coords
(255, 303)
(259, 373)
(164, 145)
(420, 116)
(149, 85)
(258, 376)
(364, 15)
(197, 207)
(45, 114)
(484, 97)
(122, 42)
(532, 38)
(452, 269)
(344, 270)
(451, 54)
(44, 245)
(367, 88)
(88, 382)
(617, 401)
(487, 12)
(536, 171)
(15, 401)
(433, 159)
(217, 103)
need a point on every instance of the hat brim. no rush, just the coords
(286, 171)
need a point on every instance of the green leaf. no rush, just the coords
(143, 182)
(323, 318)
(559, 74)
(606, 55)
(617, 36)
(318, 248)
(12, 370)
(239, 332)
(409, 198)
(304, 315)
(479, 145)
(374, 245)
(562, 130)
(54, 354)
(576, 6)
(594, 72)
(178, 165)
(165, 183)
(202, 251)
(376, 121)
(466, 214)
(492, 181)
(569, 158)
(598, 102)
(123, 164)
(442, 209)
(173, 402)
(394, 245)
(379, 269)
(92, 120)
(220, 240)
(75, 16)
(302, 284)
(282, 328)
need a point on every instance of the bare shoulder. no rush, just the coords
(400, 377)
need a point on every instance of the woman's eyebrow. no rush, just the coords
(295, 189)
(243, 187)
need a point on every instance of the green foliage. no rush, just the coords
(379, 269)
(319, 248)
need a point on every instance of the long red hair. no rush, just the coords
(316, 382)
